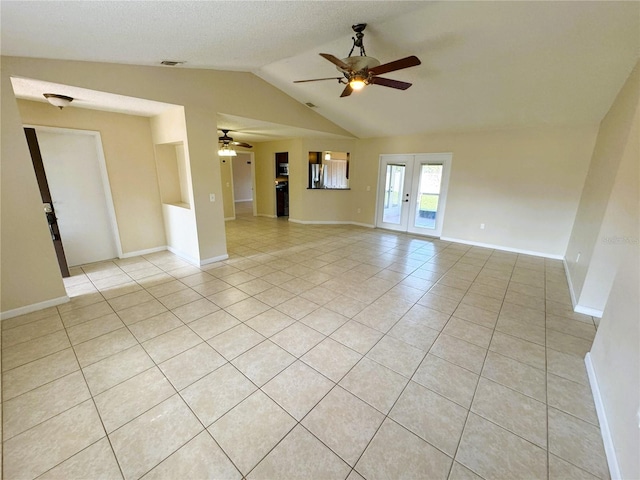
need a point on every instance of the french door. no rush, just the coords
(412, 192)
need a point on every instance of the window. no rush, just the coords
(329, 170)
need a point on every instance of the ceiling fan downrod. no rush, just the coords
(357, 40)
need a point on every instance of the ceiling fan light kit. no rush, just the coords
(225, 145)
(361, 70)
(227, 151)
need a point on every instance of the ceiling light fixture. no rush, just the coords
(227, 151)
(357, 82)
(57, 100)
(327, 156)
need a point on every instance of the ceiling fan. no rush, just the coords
(361, 70)
(226, 140)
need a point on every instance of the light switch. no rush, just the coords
(212, 197)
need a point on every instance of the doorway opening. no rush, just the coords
(412, 192)
(80, 208)
(243, 184)
(282, 184)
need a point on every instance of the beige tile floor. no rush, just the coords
(313, 352)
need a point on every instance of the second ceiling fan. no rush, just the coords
(361, 70)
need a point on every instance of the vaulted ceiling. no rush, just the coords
(484, 64)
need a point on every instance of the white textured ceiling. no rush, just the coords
(484, 64)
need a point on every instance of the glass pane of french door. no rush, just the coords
(428, 196)
(394, 186)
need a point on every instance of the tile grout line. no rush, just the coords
(480, 377)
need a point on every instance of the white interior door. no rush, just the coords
(412, 192)
(396, 173)
(77, 186)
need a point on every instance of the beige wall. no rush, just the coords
(523, 184)
(169, 133)
(610, 237)
(128, 152)
(307, 205)
(614, 137)
(29, 269)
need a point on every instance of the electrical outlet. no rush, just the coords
(359, 210)
(482, 226)
(212, 197)
(368, 188)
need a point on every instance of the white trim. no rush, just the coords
(244, 200)
(567, 274)
(106, 185)
(329, 222)
(265, 215)
(219, 258)
(360, 224)
(588, 311)
(254, 188)
(226, 219)
(147, 251)
(504, 249)
(609, 449)
(574, 302)
(34, 307)
(184, 256)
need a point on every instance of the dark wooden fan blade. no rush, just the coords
(387, 82)
(407, 62)
(317, 79)
(347, 91)
(242, 144)
(336, 61)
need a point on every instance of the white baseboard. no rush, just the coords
(265, 215)
(226, 219)
(244, 200)
(609, 450)
(367, 225)
(593, 312)
(138, 253)
(184, 256)
(219, 258)
(503, 248)
(329, 222)
(34, 307)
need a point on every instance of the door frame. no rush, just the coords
(102, 165)
(442, 157)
